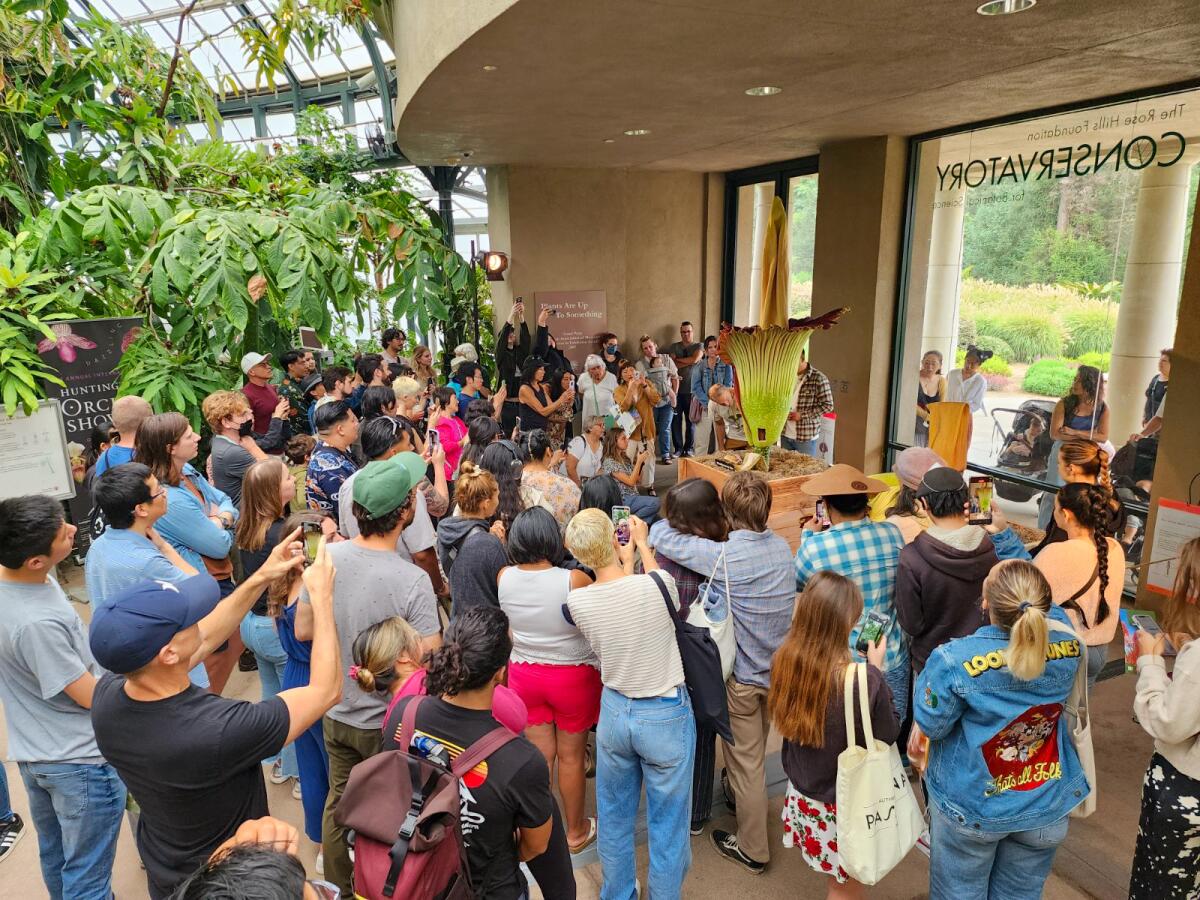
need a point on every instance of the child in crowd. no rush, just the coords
(806, 703)
(299, 451)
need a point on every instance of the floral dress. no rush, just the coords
(559, 494)
(811, 825)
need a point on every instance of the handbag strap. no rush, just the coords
(666, 595)
(857, 672)
(864, 705)
(481, 750)
(1079, 687)
(721, 563)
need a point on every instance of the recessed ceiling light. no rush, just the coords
(610, 140)
(766, 90)
(637, 132)
(1005, 7)
(490, 68)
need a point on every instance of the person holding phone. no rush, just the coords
(637, 395)
(616, 462)
(450, 429)
(1165, 706)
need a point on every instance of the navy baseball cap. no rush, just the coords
(127, 632)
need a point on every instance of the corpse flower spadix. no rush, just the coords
(765, 362)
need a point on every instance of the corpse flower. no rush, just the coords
(65, 342)
(764, 364)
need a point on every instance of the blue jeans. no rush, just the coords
(899, 680)
(6, 812)
(651, 740)
(965, 862)
(663, 415)
(259, 634)
(644, 507)
(76, 809)
(809, 447)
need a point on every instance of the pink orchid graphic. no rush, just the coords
(65, 342)
(130, 336)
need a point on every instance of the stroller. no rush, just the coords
(1025, 449)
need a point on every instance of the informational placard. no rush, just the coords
(1175, 525)
(33, 454)
(85, 352)
(582, 316)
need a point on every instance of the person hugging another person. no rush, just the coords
(1003, 774)
(806, 703)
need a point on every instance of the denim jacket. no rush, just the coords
(703, 378)
(186, 525)
(1000, 757)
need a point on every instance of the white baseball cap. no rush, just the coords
(250, 360)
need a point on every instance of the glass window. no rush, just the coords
(1056, 246)
(802, 227)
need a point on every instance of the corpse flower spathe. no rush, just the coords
(764, 365)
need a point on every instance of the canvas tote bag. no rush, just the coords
(720, 629)
(878, 820)
(1079, 723)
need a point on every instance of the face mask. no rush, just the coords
(612, 348)
(246, 428)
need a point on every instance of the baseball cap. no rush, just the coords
(841, 479)
(128, 632)
(941, 480)
(309, 382)
(381, 486)
(250, 360)
(413, 463)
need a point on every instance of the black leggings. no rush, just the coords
(552, 870)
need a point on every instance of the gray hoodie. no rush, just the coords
(472, 557)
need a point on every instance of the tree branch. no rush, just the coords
(170, 81)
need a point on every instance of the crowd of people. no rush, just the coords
(411, 565)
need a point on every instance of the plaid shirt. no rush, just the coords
(813, 398)
(687, 582)
(869, 553)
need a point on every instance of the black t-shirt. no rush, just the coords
(508, 790)
(193, 763)
(252, 561)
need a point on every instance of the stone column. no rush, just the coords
(944, 278)
(1146, 320)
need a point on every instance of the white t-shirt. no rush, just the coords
(419, 535)
(597, 397)
(588, 465)
(731, 416)
(972, 391)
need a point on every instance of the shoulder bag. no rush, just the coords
(721, 629)
(1078, 718)
(878, 820)
(701, 670)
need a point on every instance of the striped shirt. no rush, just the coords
(632, 634)
(868, 553)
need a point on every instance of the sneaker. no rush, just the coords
(727, 845)
(247, 662)
(11, 833)
(923, 842)
(696, 828)
(276, 774)
(296, 790)
(725, 789)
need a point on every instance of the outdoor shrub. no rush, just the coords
(960, 356)
(997, 382)
(1031, 337)
(997, 365)
(1049, 377)
(997, 345)
(1101, 361)
(967, 333)
(1090, 330)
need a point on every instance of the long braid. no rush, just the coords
(1099, 514)
(1105, 477)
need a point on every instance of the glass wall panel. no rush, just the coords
(802, 227)
(1055, 245)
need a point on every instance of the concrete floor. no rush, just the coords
(1094, 862)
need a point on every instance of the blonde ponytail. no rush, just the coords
(1018, 598)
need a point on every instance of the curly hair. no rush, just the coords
(476, 646)
(1089, 504)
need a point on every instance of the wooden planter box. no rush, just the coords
(789, 505)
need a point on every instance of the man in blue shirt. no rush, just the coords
(331, 463)
(130, 551)
(127, 414)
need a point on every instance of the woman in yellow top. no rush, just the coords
(635, 392)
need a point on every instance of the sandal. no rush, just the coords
(591, 838)
(589, 762)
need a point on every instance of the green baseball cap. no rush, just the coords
(413, 463)
(381, 486)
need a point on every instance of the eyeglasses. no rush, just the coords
(162, 492)
(325, 890)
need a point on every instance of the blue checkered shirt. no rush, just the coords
(869, 553)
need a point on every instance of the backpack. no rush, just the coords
(403, 809)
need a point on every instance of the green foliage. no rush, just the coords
(1101, 361)
(1030, 337)
(1055, 257)
(968, 334)
(997, 345)
(1090, 330)
(1093, 290)
(997, 365)
(1049, 378)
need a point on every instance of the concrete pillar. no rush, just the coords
(860, 219)
(1146, 321)
(944, 278)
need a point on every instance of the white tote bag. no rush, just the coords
(878, 820)
(702, 615)
(1078, 720)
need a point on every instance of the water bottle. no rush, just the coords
(432, 750)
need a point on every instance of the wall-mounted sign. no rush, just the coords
(582, 316)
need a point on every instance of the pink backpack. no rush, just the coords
(404, 812)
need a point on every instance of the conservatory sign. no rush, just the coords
(1061, 162)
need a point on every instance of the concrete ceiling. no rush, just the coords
(572, 73)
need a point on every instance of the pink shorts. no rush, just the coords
(568, 696)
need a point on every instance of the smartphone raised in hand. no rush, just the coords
(979, 500)
(620, 520)
(1150, 626)
(822, 514)
(312, 533)
(871, 631)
